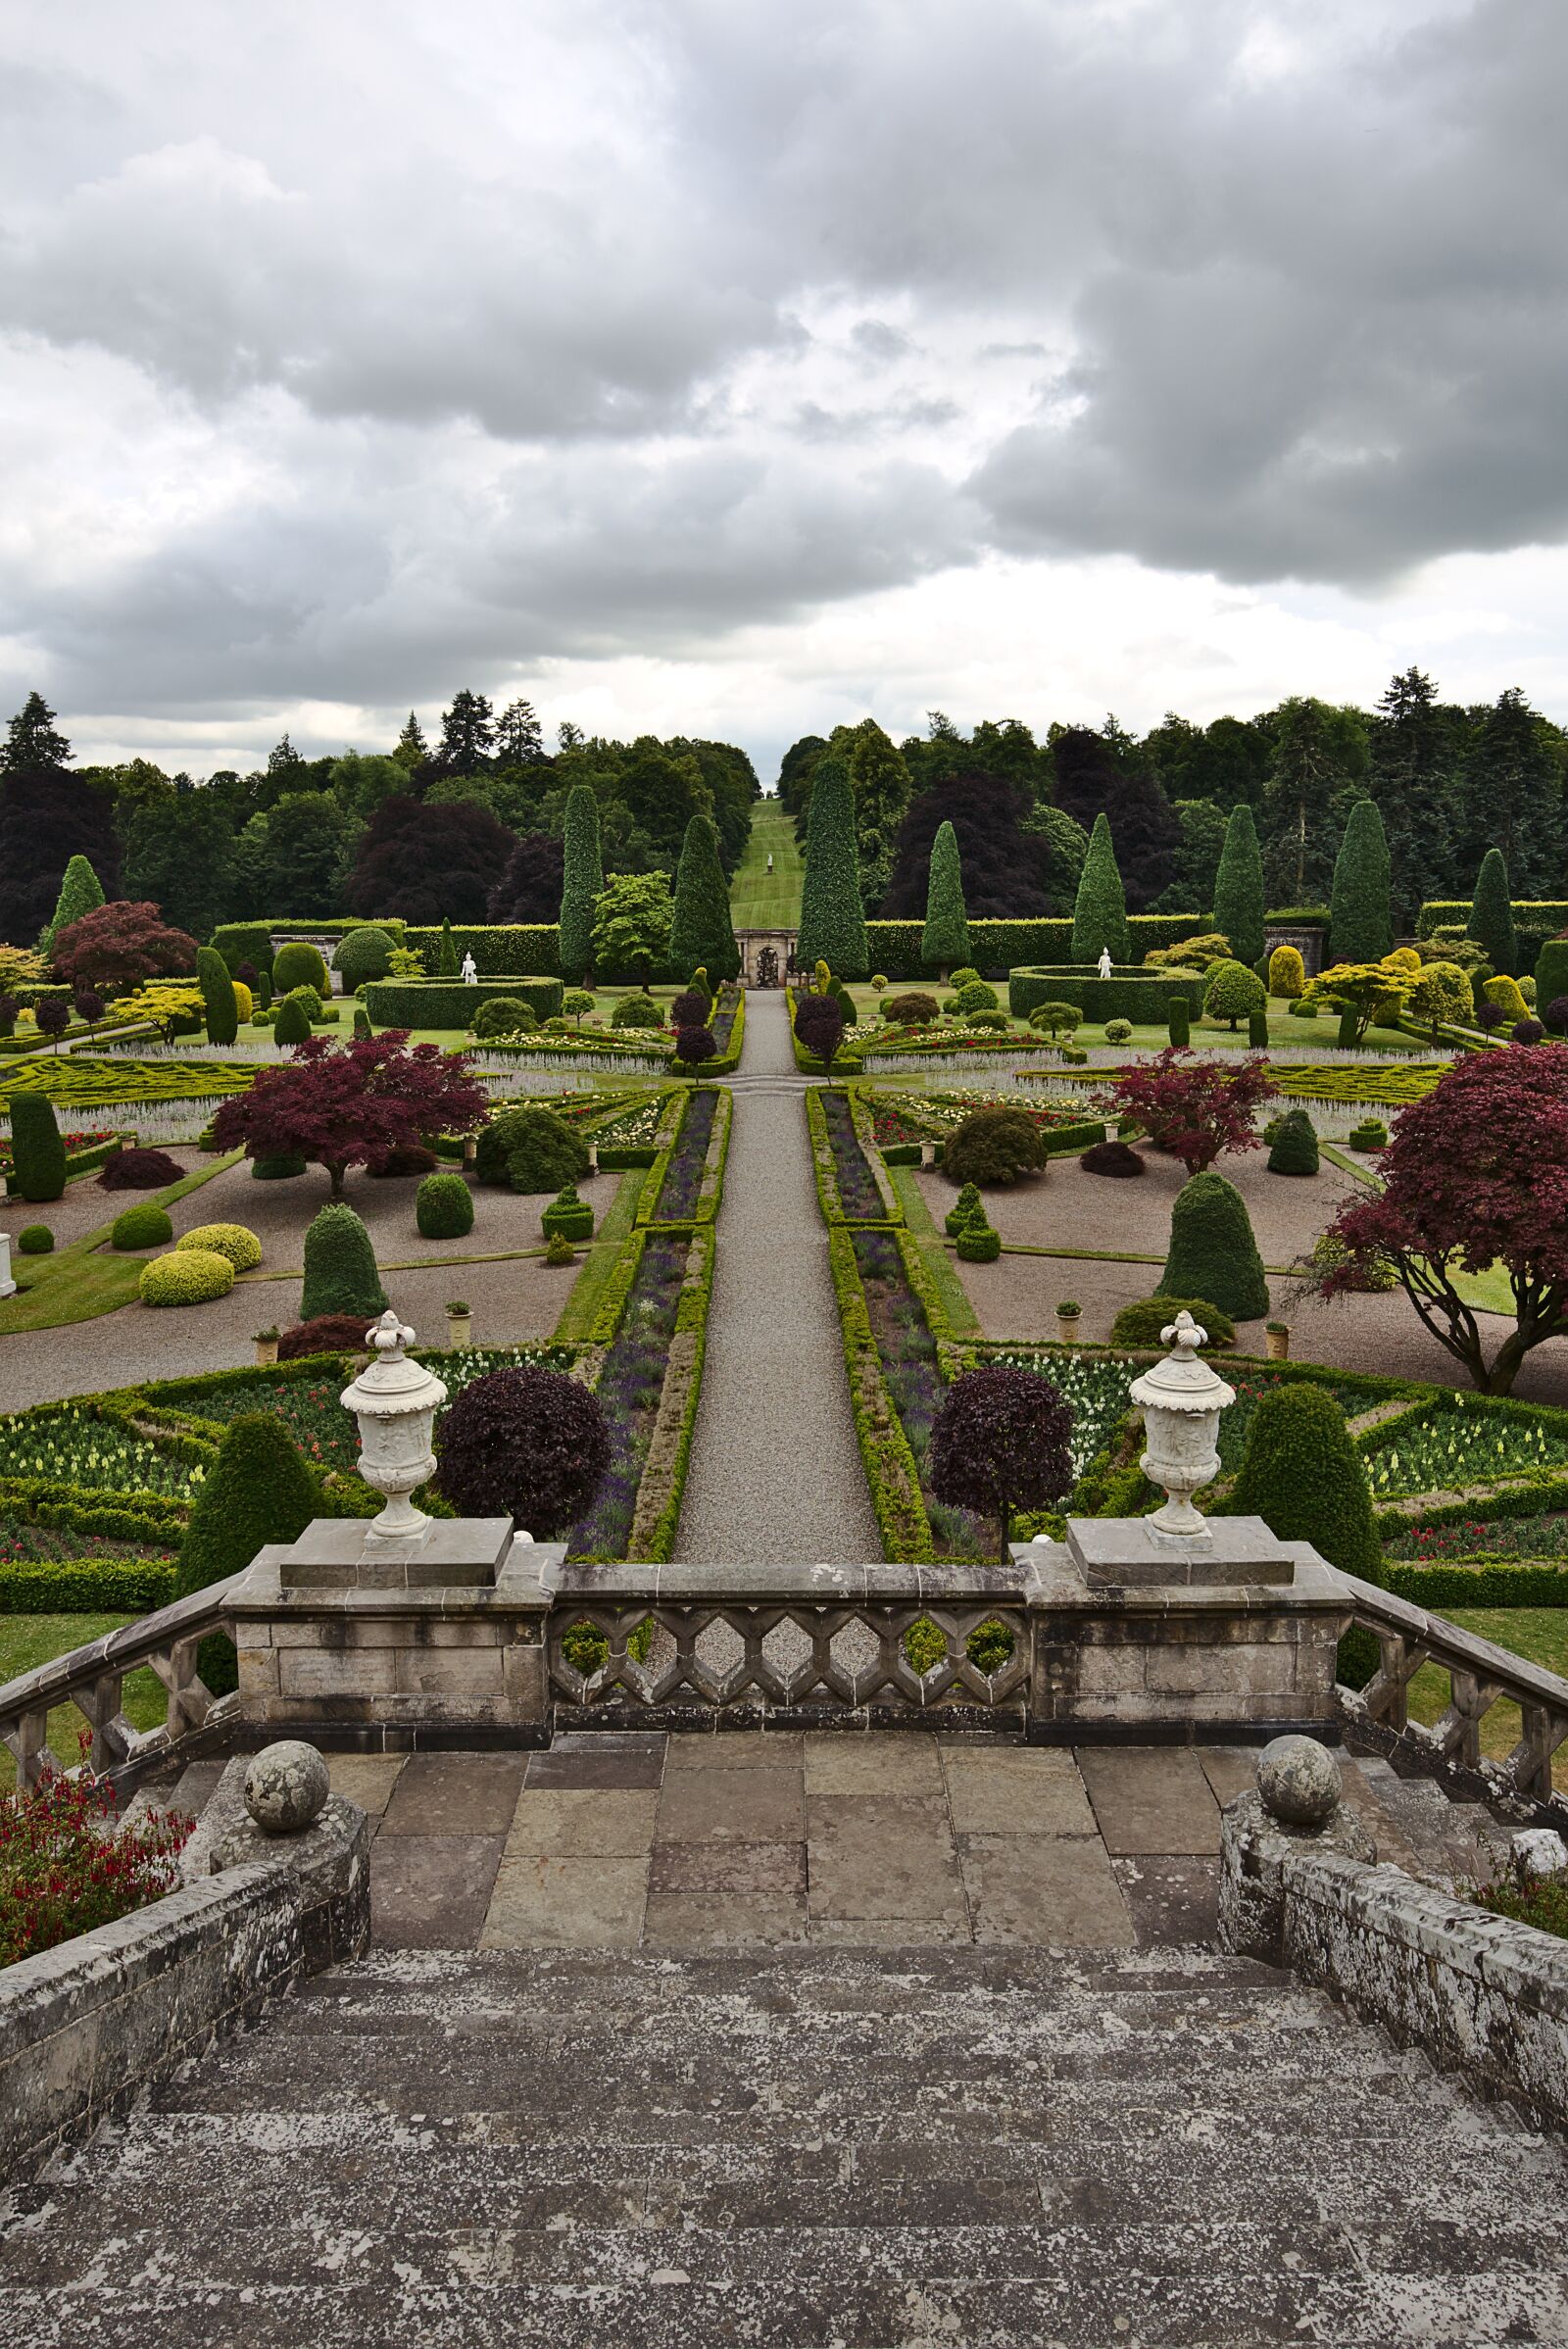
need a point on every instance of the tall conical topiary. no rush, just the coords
(1099, 914)
(257, 1491)
(1239, 886)
(1490, 922)
(38, 1153)
(582, 879)
(832, 922)
(81, 892)
(217, 996)
(1213, 1251)
(1302, 1475)
(702, 933)
(945, 943)
(1360, 928)
(446, 954)
(340, 1274)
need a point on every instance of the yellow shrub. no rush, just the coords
(1504, 992)
(1405, 957)
(188, 1276)
(1287, 974)
(231, 1241)
(244, 1001)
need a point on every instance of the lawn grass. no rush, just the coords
(29, 1641)
(604, 1253)
(76, 1283)
(962, 1319)
(759, 899)
(1540, 1634)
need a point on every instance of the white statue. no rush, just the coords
(471, 969)
(770, 859)
(1104, 962)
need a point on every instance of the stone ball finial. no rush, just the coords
(1299, 1781)
(285, 1787)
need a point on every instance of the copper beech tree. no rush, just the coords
(1197, 1110)
(1476, 1175)
(343, 1105)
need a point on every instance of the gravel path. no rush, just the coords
(775, 1473)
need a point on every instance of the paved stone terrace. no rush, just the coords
(746, 1840)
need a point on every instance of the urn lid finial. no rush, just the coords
(1183, 1381)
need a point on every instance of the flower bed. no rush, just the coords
(631, 1385)
(1451, 1447)
(75, 1444)
(82, 1081)
(65, 1865)
(76, 1145)
(1491, 1538)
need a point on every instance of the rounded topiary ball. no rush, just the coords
(286, 1786)
(1299, 1780)
(443, 1208)
(141, 1227)
(36, 1240)
(191, 1276)
(527, 1444)
(532, 1149)
(364, 955)
(231, 1240)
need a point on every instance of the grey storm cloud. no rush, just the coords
(612, 326)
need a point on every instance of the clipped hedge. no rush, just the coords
(999, 947)
(231, 1240)
(187, 1277)
(252, 941)
(496, 946)
(450, 1004)
(85, 1585)
(1140, 995)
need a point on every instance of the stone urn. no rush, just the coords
(459, 1325)
(395, 1401)
(1068, 1318)
(1181, 1400)
(266, 1345)
(1277, 1339)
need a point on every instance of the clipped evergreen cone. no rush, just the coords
(220, 1006)
(978, 1242)
(944, 939)
(832, 919)
(1302, 1475)
(340, 1272)
(701, 935)
(1213, 1251)
(1239, 894)
(1360, 927)
(1294, 1146)
(965, 1207)
(38, 1153)
(1490, 922)
(257, 1491)
(1100, 909)
(582, 880)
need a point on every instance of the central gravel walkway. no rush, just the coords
(775, 1473)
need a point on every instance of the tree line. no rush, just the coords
(1449, 782)
(468, 827)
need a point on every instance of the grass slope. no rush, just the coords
(759, 899)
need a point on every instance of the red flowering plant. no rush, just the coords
(1476, 1175)
(1195, 1109)
(65, 1869)
(343, 1105)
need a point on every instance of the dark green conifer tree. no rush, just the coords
(219, 1006)
(1239, 886)
(945, 943)
(1099, 914)
(1490, 922)
(81, 892)
(832, 922)
(701, 935)
(1359, 928)
(582, 880)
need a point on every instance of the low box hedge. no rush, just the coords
(1497, 1583)
(1140, 995)
(451, 1004)
(87, 1586)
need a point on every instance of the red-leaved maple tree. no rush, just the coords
(343, 1105)
(1475, 1175)
(121, 944)
(1197, 1110)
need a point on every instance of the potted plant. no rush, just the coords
(1276, 1338)
(460, 1324)
(266, 1345)
(1067, 1318)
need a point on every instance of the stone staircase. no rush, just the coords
(927, 2149)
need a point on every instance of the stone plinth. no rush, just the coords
(1147, 1637)
(8, 1286)
(447, 1649)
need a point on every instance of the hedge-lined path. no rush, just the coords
(775, 1474)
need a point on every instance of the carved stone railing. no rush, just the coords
(791, 1642)
(92, 1679)
(1480, 1676)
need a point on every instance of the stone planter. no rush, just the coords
(1277, 1339)
(460, 1329)
(1068, 1319)
(266, 1352)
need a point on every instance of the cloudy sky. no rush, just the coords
(720, 366)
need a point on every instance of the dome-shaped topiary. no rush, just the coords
(231, 1240)
(531, 1149)
(36, 1239)
(637, 1011)
(1302, 1475)
(527, 1444)
(38, 1153)
(443, 1208)
(365, 954)
(258, 1490)
(297, 964)
(293, 1023)
(994, 1146)
(191, 1276)
(1294, 1146)
(976, 996)
(1287, 974)
(340, 1274)
(141, 1227)
(1233, 993)
(504, 1015)
(276, 1169)
(1145, 1323)
(1213, 1251)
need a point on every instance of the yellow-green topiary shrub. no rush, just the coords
(1287, 974)
(231, 1240)
(1504, 992)
(1405, 957)
(244, 1001)
(186, 1276)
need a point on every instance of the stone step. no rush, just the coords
(1449, 1840)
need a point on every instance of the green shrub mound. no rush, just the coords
(1145, 1324)
(994, 1146)
(505, 1015)
(637, 1011)
(452, 1002)
(979, 1244)
(1213, 1251)
(258, 1490)
(340, 1274)
(1233, 993)
(231, 1240)
(189, 1276)
(1055, 1020)
(990, 1023)
(965, 976)
(141, 1227)
(965, 1208)
(531, 1149)
(293, 1022)
(1130, 992)
(568, 1215)
(1119, 1031)
(365, 954)
(297, 964)
(559, 1249)
(443, 1208)
(1294, 1146)
(36, 1239)
(1302, 1475)
(278, 1169)
(976, 996)
(1302, 1009)
(913, 1011)
(38, 1155)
